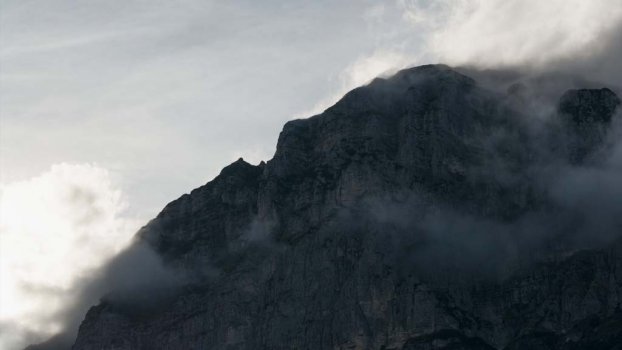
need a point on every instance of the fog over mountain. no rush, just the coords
(421, 211)
(473, 205)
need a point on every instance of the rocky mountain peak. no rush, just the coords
(418, 212)
(383, 93)
(239, 168)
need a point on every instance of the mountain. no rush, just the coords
(422, 211)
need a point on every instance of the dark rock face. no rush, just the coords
(445, 339)
(587, 115)
(383, 223)
(585, 106)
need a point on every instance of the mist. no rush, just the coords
(575, 37)
(135, 282)
(557, 194)
(531, 51)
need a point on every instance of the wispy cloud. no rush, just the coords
(73, 42)
(361, 72)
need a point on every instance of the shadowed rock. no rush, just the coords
(587, 113)
(410, 215)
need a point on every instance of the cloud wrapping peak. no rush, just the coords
(57, 227)
(515, 32)
(582, 38)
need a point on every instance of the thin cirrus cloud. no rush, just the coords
(149, 89)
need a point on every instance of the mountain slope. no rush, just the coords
(422, 211)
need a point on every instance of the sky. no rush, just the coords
(111, 109)
(165, 93)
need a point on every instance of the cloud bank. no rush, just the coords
(55, 229)
(522, 32)
(493, 34)
(582, 38)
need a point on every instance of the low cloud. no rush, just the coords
(55, 230)
(515, 32)
(563, 207)
(516, 37)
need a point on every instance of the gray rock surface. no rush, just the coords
(587, 114)
(403, 217)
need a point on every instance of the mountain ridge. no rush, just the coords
(418, 212)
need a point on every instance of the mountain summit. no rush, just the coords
(421, 211)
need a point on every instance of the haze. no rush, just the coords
(111, 109)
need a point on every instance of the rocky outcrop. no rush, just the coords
(587, 115)
(386, 222)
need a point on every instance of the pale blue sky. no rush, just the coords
(166, 93)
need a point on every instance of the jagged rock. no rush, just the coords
(589, 106)
(330, 244)
(587, 114)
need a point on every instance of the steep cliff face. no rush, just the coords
(407, 216)
(587, 114)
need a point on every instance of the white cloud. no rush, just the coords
(513, 32)
(158, 92)
(380, 63)
(54, 229)
(483, 33)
